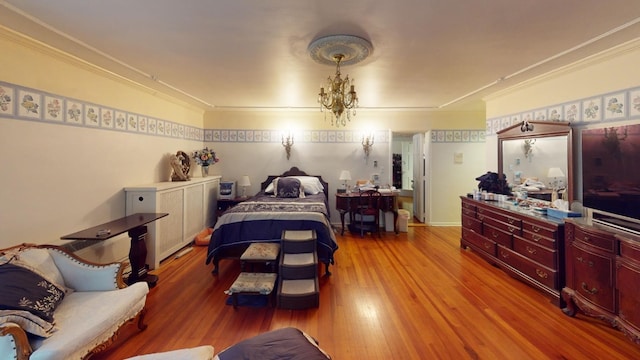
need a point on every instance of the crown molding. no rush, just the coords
(618, 50)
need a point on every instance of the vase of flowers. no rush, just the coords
(205, 158)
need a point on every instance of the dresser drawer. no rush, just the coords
(597, 239)
(498, 235)
(479, 241)
(537, 238)
(469, 212)
(630, 249)
(513, 229)
(468, 206)
(539, 229)
(535, 252)
(542, 274)
(593, 277)
(484, 213)
(471, 223)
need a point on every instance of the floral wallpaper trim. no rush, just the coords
(613, 106)
(22, 103)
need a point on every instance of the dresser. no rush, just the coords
(191, 206)
(603, 275)
(525, 244)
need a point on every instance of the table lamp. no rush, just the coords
(345, 176)
(244, 182)
(555, 174)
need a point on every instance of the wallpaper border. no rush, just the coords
(613, 106)
(23, 103)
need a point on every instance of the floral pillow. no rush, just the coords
(27, 296)
(288, 188)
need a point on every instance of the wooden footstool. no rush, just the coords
(261, 253)
(258, 284)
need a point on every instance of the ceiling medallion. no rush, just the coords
(341, 94)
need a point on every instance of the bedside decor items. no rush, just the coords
(244, 182)
(180, 165)
(341, 95)
(205, 158)
(345, 175)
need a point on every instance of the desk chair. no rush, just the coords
(365, 213)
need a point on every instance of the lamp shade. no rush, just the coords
(555, 172)
(345, 175)
(244, 181)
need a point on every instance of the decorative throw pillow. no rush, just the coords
(287, 187)
(286, 343)
(23, 290)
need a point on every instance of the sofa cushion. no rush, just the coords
(28, 293)
(87, 319)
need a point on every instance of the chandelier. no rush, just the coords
(339, 95)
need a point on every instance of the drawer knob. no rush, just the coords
(487, 245)
(542, 274)
(586, 288)
(535, 228)
(504, 254)
(536, 238)
(494, 234)
(531, 250)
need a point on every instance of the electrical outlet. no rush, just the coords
(375, 163)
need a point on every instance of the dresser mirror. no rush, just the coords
(539, 155)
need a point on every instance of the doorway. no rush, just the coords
(402, 160)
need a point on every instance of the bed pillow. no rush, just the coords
(310, 184)
(25, 294)
(288, 188)
(286, 343)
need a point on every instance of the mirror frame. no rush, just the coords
(540, 129)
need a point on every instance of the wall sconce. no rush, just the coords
(367, 143)
(244, 182)
(528, 147)
(287, 142)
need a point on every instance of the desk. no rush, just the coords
(389, 203)
(134, 225)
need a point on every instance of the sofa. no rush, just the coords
(54, 305)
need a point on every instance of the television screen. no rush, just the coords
(611, 169)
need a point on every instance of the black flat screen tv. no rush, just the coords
(611, 174)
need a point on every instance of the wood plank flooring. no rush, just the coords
(415, 295)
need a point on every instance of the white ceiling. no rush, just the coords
(230, 54)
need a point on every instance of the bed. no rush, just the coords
(263, 217)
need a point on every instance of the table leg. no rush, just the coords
(342, 212)
(395, 221)
(138, 257)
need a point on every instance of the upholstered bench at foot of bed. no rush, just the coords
(258, 284)
(262, 253)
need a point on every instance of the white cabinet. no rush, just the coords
(191, 206)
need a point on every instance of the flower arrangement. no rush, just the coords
(205, 157)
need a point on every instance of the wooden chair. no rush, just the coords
(365, 213)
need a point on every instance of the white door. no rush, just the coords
(418, 177)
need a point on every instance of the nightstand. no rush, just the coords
(224, 204)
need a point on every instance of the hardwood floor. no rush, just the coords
(416, 295)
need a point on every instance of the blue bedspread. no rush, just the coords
(264, 217)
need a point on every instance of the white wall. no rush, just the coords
(450, 180)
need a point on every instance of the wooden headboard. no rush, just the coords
(294, 171)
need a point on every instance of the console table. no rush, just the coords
(135, 226)
(388, 203)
